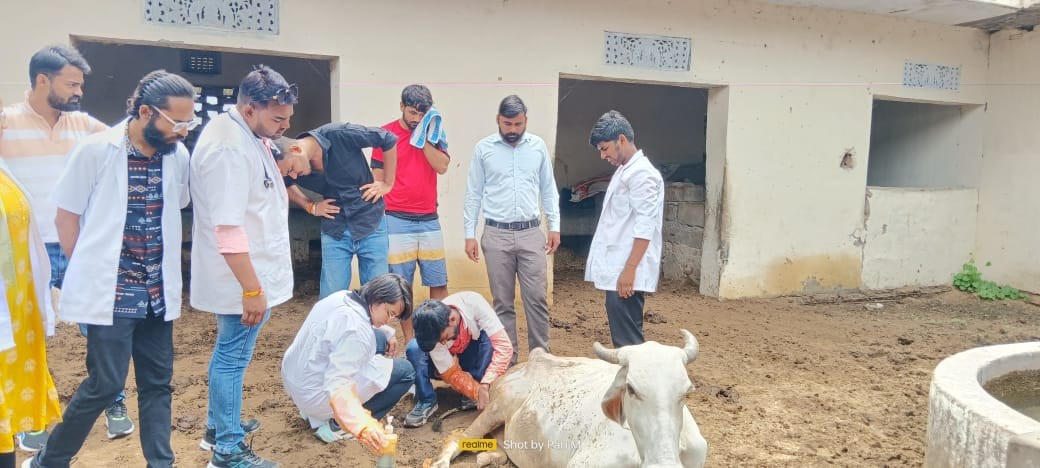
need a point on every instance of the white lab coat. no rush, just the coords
(633, 208)
(335, 346)
(235, 182)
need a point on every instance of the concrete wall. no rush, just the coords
(800, 87)
(925, 145)
(1008, 191)
(917, 237)
(683, 232)
(669, 123)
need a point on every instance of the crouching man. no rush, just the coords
(337, 371)
(461, 340)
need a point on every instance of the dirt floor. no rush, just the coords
(779, 383)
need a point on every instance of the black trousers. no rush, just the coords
(149, 342)
(626, 318)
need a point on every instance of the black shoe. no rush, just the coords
(245, 458)
(467, 404)
(210, 439)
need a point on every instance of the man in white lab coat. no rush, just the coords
(625, 255)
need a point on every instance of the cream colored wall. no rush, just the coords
(917, 237)
(925, 145)
(1008, 192)
(801, 83)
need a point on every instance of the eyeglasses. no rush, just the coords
(179, 126)
(287, 95)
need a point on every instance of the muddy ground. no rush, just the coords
(780, 383)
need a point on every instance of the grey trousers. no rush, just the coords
(513, 255)
(625, 317)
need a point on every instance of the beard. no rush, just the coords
(511, 137)
(155, 138)
(410, 125)
(69, 105)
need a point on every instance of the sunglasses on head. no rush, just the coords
(286, 95)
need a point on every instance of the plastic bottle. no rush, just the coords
(386, 460)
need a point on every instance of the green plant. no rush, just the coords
(970, 280)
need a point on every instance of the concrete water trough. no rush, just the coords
(967, 426)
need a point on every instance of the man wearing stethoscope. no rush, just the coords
(240, 260)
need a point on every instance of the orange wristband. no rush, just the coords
(258, 292)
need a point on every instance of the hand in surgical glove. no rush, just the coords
(373, 439)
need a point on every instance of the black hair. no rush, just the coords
(417, 96)
(156, 89)
(51, 59)
(431, 318)
(511, 106)
(388, 289)
(263, 84)
(609, 127)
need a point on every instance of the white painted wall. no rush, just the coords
(925, 145)
(801, 83)
(917, 237)
(1008, 191)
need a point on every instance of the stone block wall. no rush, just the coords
(683, 232)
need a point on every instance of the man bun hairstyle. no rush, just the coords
(156, 89)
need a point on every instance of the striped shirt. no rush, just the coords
(36, 154)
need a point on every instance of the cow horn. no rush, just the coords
(609, 355)
(691, 347)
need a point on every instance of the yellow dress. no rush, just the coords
(28, 399)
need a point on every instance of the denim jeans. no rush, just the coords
(371, 250)
(402, 377)
(58, 264)
(149, 342)
(231, 355)
(83, 330)
(475, 359)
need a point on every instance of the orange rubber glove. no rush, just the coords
(349, 412)
(461, 381)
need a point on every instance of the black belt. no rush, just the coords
(515, 226)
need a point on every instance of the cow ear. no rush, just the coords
(612, 400)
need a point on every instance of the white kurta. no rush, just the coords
(235, 182)
(633, 208)
(94, 186)
(335, 345)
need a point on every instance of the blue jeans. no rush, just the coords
(371, 251)
(475, 360)
(58, 264)
(231, 355)
(402, 377)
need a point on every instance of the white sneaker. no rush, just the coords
(331, 432)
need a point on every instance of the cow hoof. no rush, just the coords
(491, 459)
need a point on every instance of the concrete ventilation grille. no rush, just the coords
(923, 75)
(255, 16)
(657, 52)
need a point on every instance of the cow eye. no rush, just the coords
(631, 391)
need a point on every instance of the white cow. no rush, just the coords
(627, 409)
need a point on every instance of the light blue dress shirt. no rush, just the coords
(510, 182)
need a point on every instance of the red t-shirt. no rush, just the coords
(415, 185)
